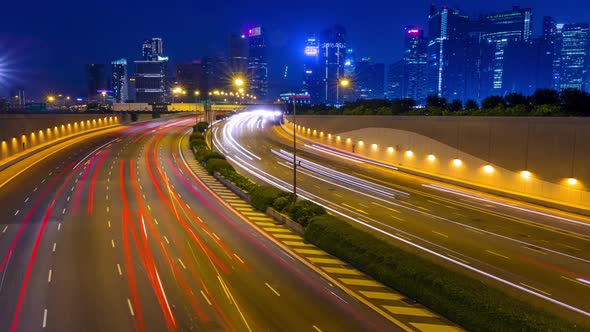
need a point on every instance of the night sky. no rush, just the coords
(44, 45)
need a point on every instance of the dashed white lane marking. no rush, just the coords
(272, 289)
(5, 228)
(108, 209)
(49, 276)
(165, 238)
(317, 328)
(109, 223)
(58, 226)
(68, 199)
(26, 200)
(130, 307)
(107, 197)
(119, 269)
(36, 188)
(54, 246)
(16, 213)
(72, 189)
(238, 257)
(206, 298)
(63, 211)
(113, 243)
(156, 221)
(44, 318)
(149, 207)
(43, 181)
(181, 263)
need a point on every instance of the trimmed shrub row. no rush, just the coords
(464, 300)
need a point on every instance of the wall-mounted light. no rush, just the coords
(526, 174)
(457, 162)
(572, 181)
(431, 157)
(390, 149)
(409, 153)
(488, 169)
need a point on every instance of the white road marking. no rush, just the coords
(272, 289)
(119, 269)
(130, 307)
(206, 298)
(181, 263)
(45, 318)
(238, 257)
(165, 238)
(36, 188)
(17, 211)
(58, 226)
(113, 243)
(49, 276)
(109, 223)
(5, 228)
(26, 200)
(54, 245)
(68, 199)
(63, 211)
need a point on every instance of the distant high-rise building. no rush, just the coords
(191, 77)
(312, 78)
(448, 31)
(572, 54)
(238, 55)
(150, 81)
(257, 63)
(17, 98)
(96, 79)
(119, 80)
(131, 96)
(395, 81)
(349, 63)
(152, 48)
(332, 59)
(216, 73)
(503, 28)
(369, 80)
(415, 65)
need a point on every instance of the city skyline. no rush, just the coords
(285, 45)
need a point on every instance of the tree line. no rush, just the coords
(544, 102)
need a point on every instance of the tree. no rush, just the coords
(456, 105)
(544, 97)
(471, 105)
(436, 101)
(513, 99)
(574, 102)
(492, 102)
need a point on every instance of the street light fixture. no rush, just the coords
(344, 83)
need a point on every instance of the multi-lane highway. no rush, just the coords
(115, 233)
(537, 254)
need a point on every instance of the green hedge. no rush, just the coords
(464, 300)
(302, 212)
(263, 197)
(215, 165)
(239, 180)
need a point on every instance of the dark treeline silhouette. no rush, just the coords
(544, 102)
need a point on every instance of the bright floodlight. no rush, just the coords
(409, 153)
(345, 82)
(572, 181)
(488, 169)
(431, 157)
(526, 174)
(177, 90)
(457, 162)
(239, 82)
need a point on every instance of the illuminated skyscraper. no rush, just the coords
(238, 55)
(572, 57)
(150, 81)
(257, 63)
(369, 80)
(332, 58)
(312, 78)
(503, 28)
(152, 48)
(394, 83)
(119, 80)
(415, 65)
(448, 31)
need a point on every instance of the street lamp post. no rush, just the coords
(294, 150)
(344, 83)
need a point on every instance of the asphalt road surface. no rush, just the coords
(114, 233)
(538, 254)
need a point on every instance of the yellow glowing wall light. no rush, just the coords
(409, 153)
(457, 162)
(390, 149)
(431, 157)
(526, 174)
(572, 181)
(488, 169)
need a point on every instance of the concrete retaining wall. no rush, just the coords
(551, 149)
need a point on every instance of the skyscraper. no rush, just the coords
(369, 80)
(96, 79)
(395, 78)
(332, 59)
(191, 77)
(150, 81)
(447, 52)
(119, 80)
(503, 28)
(238, 55)
(415, 63)
(257, 63)
(312, 79)
(572, 57)
(152, 48)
